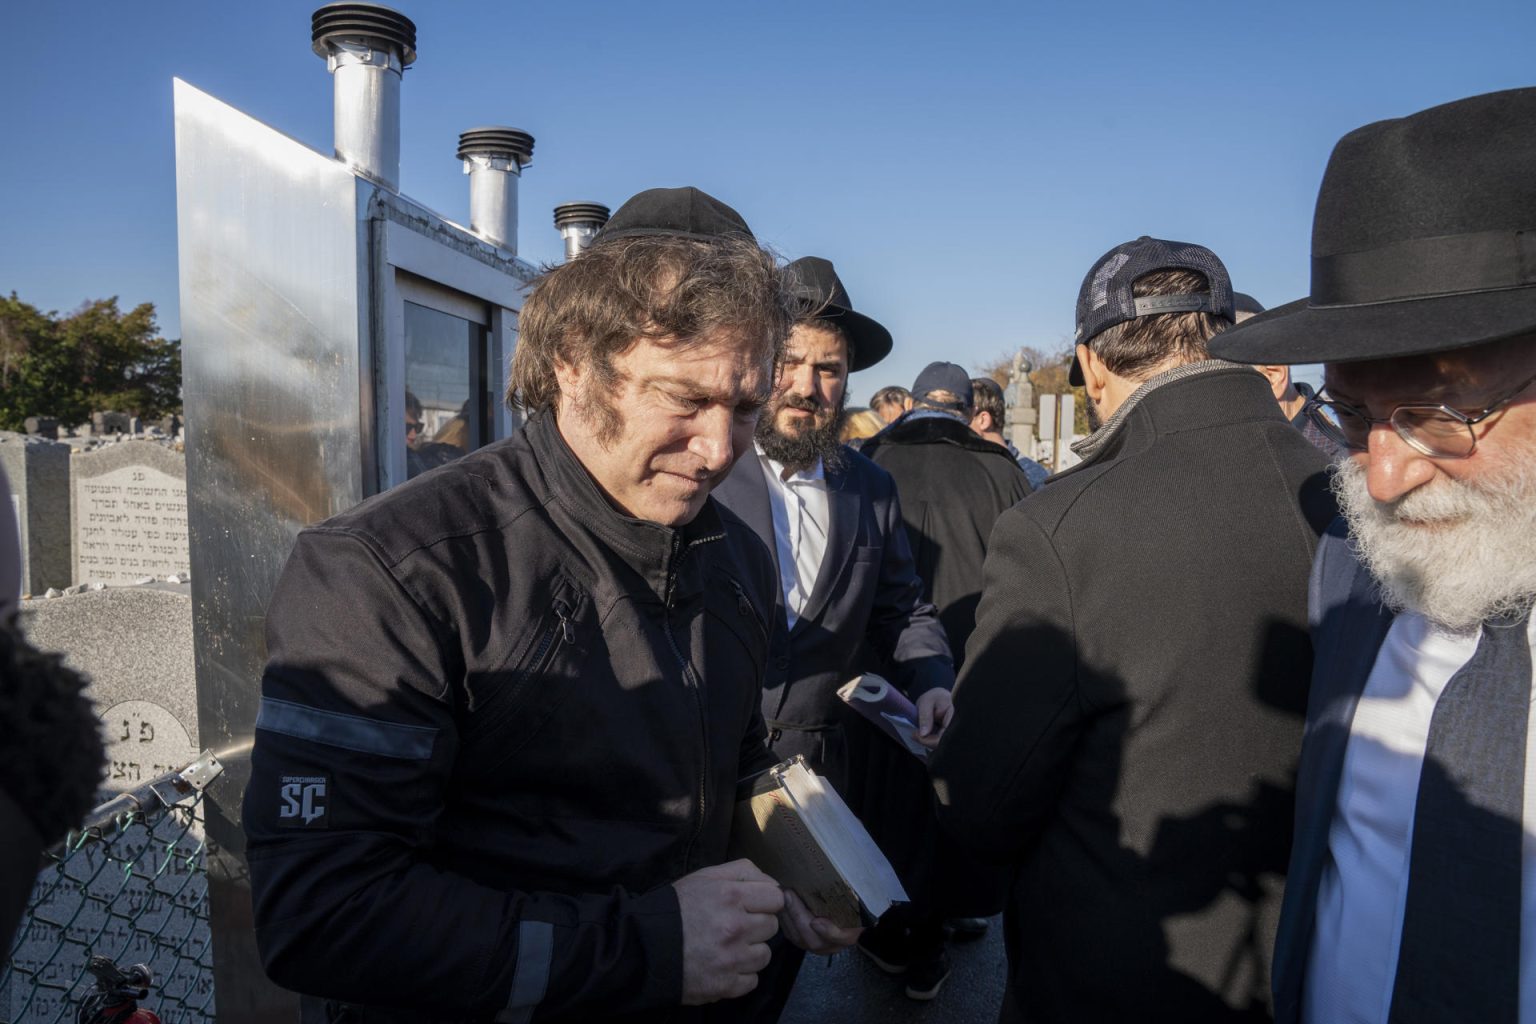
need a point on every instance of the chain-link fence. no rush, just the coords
(131, 886)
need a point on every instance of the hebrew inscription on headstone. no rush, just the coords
(129, 512)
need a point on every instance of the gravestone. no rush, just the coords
(142, 896)
(42, 426)
(129, 514)
(38, 472)
(108, 423)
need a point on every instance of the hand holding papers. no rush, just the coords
(887, 708)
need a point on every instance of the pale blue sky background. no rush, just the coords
(962, 163)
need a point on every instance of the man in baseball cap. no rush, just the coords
(1128, 715)
(1412, 894)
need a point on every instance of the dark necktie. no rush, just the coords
(1460, 953)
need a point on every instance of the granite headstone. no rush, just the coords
(129, 513)
(38, 471)
(140, 897)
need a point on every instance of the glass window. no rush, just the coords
(447, 412)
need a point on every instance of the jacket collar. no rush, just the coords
(938, 429)
(654, 551)
(1189, 397)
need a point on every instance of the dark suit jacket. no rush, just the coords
(867, 593)
(1129, 716)
(1348, 627)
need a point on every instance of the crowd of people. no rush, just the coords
(1229, 720)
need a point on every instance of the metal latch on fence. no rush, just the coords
(166, 791)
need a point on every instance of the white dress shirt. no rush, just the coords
(800, 518)
(1364, 888)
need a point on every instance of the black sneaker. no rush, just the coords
(926, 977)
(967, 929)
(887, 950)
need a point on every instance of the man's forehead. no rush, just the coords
(720, 367)
(814, 341)
(1463, 372)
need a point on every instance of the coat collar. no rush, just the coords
(1191, 397)
(654, 551)
(940, 429)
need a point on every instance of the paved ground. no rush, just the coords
(848, 989)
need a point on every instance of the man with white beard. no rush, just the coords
(1412, 888)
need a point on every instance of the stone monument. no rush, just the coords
(38, 471)
(139, 896)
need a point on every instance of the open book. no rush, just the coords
(886, 707)
(794, 826)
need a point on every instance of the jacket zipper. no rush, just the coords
(560, 628)
(744, 607)
(690, 680)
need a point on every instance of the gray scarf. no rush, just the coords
(1095, 442)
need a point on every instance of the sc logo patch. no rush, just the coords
(303, 801)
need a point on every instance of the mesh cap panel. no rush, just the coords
(1107, 299)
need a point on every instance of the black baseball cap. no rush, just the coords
(1106, 298)
(1242, 302)
(945, 377)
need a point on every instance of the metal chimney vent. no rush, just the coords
(578, 223)
(366, 47)
(494, 159)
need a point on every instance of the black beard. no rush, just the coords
(1095, 421)
(801, 452)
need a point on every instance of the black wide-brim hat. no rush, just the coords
(1424, 240)
(821, 293)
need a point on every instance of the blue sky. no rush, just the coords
(962, 164)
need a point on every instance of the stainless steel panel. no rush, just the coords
(277, 375)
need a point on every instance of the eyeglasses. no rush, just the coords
(412, 428)
(1435, 430)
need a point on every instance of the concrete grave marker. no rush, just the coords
(129, 515)
(38, 471)
(142, 896)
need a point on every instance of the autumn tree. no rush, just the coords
(96, 358)
(1048, 373)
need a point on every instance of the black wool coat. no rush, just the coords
(1128, 721)
(953, 486)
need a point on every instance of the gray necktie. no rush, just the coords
(1460, 953)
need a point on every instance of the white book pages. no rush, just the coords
(853, 853)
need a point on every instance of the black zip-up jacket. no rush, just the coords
(498, 719)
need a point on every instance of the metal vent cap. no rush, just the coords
(374, 24)
(581, 213)
(494, 141)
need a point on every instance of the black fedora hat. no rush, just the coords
(822, 295)
(685, 211)
(1424, 240)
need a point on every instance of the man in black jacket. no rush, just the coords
(508, 702)
(1128, 720)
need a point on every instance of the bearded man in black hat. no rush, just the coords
(1412, 894)
(1128, 717)
(508, 702)
(849, 599)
